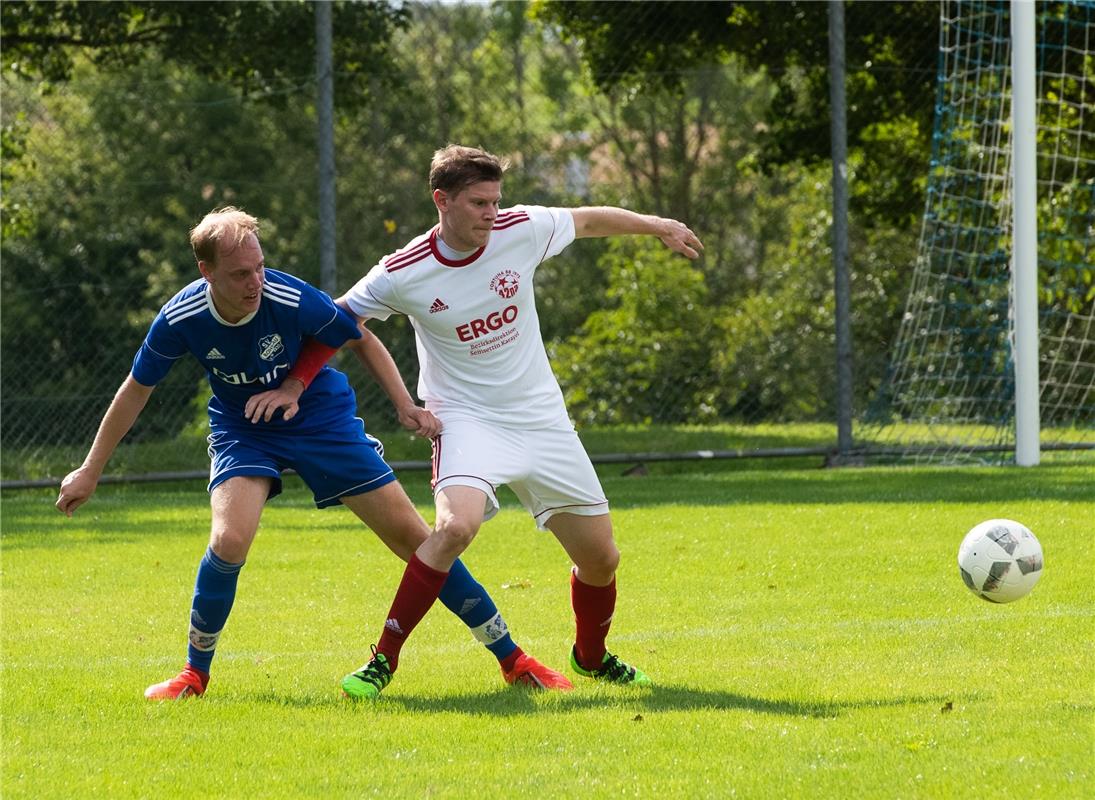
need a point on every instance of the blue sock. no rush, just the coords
(214, 591)
(464, 596)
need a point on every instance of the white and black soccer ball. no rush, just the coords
(1000, 560)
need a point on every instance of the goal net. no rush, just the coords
(950, 390)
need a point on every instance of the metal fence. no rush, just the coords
(104, 175)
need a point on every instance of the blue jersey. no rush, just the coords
(255, 354)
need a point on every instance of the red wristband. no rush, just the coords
(312, 357)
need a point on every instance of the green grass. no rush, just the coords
(807, 630)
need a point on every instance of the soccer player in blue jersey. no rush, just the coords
(245, 325)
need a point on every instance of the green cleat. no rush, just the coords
(612, 670)
(367, 682)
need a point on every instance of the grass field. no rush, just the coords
(807, 630)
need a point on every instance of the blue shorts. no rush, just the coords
(336, 462)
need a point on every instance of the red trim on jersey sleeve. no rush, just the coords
(509, 223)
(508, 219)
(312, 357)
(398, 261)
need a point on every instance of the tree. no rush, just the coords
(255, 46)
(891, 53)
(645, 356)
(101, 213)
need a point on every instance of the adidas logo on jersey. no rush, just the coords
(438, 305)
(214, 353)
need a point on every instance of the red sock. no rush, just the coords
(416, 593)
(593, 608)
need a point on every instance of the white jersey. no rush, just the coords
(480, 352)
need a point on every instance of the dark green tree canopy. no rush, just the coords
(891, 57)
(260, 47)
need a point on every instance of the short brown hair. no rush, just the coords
(228, 224)
(455, 168)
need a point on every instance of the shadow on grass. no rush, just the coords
(656, 699)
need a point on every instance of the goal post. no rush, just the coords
(1024, 294)
(994, 357)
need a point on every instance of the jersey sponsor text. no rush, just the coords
(470, 331)
(241, 378)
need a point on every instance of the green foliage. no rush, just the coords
(264, 48)
(890, 62)
(150, 114)
(653, 43)
(14, 216)
(641, 357)
(101, 212)
(1066, 203)
(775, 346)
(779, 338)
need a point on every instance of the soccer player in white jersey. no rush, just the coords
(245, 324)
(467, 287)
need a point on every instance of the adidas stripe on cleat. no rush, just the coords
(367, 682)
(188, 683)
(530, 672)
(612, 670)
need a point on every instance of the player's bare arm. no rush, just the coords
(378, 362)
(596, 221)
(80, 484)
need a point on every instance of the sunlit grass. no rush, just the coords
(807, 631)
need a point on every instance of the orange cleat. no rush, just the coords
(530, 672)
(188, 682)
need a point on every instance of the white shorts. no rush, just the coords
(548, 469)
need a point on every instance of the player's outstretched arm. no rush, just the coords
(80, 484)
(594, 221)
(376, 359)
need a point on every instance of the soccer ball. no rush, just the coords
(1000, 560)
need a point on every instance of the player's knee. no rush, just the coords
(609, 560)
(599, 567)
(457, 533)
(229, 545)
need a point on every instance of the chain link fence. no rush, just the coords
(105, 174)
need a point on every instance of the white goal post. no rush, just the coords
(1024, 271)
(994, 358)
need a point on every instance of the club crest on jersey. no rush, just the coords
(270, 347)
(505, 283)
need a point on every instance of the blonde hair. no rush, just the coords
(455, 168)
(228, 224)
